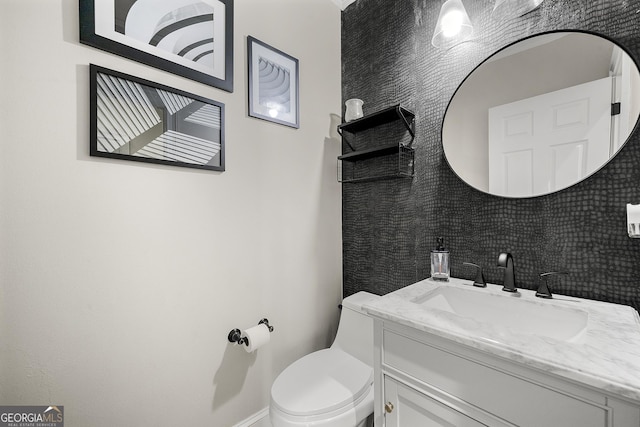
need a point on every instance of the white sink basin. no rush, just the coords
(508, 314)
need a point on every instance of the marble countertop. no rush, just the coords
(605, 356)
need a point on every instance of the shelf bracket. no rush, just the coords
(410, 126)
(344, 138)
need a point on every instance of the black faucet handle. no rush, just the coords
(553, 273)
(543, 290)
(479, 280)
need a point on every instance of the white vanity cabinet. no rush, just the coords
(425, 380)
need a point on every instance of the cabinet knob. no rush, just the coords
(388, 407)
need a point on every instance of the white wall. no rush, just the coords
(120, 281)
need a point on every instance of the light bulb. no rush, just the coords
(451, 23)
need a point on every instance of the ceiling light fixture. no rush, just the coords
(453, 25)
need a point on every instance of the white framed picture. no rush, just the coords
(273, 84)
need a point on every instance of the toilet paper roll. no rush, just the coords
(256, 337)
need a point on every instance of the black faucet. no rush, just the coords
(543, 289)
(505, 260)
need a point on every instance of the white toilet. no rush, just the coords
(331, 387)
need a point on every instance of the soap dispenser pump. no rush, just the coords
(440, 262)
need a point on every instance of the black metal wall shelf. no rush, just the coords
(404, 153)
(388, 115)
(370, 153)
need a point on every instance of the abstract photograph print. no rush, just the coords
(273, 84)
(134, 119)
(191, 38)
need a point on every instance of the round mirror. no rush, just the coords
(542, 114)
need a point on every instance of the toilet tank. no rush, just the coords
(355, 330)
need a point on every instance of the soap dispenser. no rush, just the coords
(440, 261)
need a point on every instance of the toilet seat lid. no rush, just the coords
(321, 382)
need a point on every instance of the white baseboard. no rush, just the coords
(259, 419)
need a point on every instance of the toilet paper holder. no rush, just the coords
(235, 335)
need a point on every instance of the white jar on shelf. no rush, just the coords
(353, 110)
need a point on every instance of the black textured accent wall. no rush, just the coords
(389, 227)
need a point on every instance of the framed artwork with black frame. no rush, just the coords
(273, 84)
(135, 119)
(190, 38)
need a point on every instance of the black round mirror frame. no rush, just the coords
(631, 131)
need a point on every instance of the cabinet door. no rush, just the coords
(406, 407)
(509, 397)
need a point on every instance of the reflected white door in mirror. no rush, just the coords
(548, 142)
